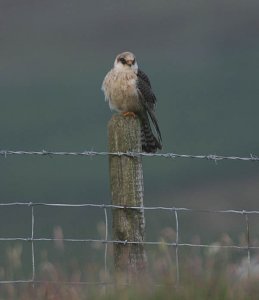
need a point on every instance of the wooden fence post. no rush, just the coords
(127, 189)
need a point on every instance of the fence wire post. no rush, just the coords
(32, 244)
(248, 245)
(176, 247)
(127, 189)
(106, 248)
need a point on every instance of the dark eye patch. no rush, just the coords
(123, 61)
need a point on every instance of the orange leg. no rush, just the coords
(129, 113)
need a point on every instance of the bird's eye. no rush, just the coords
(133, 62)
(123, 61)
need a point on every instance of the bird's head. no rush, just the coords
(126, 60)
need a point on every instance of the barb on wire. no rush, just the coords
(212, 157)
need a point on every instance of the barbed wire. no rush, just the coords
(177, 244)
(212, 157)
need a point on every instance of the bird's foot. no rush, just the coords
(129, 113)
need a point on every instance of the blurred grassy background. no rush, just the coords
(202, 59)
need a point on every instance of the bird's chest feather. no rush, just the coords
(122, 91)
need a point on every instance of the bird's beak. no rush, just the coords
(129, 63)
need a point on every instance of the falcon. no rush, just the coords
(128, 91)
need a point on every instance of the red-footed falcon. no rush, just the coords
(128, 91)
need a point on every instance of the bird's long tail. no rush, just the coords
(150, 143)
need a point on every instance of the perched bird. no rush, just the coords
(128, 91)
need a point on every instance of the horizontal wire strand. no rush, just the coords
(179, 209)
(212, 157)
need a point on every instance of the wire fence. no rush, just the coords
(176, 244)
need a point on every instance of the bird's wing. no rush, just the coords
(144, 77)
(144, 86)
(148, 98)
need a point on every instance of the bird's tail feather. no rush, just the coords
(150, 143)
(154, 122)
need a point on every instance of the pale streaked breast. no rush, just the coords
(120, 90)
